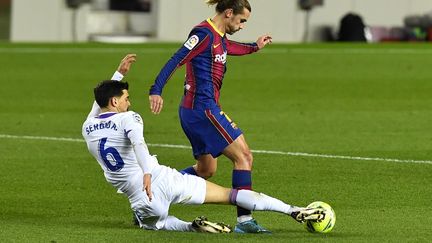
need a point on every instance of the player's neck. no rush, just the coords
(109, 109)
(218, 21)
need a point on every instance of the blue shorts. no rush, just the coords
(209, 131)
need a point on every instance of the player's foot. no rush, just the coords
(312, 214)
(250, 226)
(201, 224)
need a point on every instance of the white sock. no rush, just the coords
(244, 218)
(260, 202)
(173, 223)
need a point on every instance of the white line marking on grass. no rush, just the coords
(42, 138)
(296, 154)
(300, 154)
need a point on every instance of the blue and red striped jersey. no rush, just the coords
(205, 54)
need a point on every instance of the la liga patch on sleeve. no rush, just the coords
(137, 118)
(191, 42)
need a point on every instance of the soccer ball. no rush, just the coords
(325, 225)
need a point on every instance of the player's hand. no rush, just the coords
(147, 185)
(126, 63)
(156, 103)
(263, 41)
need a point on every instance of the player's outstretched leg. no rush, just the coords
(261, 202)
(254, 201)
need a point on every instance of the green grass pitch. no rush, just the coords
(359, 101)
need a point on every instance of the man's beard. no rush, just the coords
(231, 32)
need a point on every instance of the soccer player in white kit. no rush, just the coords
(114, 136)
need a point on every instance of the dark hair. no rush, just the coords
(107, 89)
(237, 6)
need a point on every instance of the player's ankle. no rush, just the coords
(244, 218)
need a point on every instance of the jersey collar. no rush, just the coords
(214, 27)
(106, 115)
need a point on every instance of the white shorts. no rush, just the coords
(168, 187)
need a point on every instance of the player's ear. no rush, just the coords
(229, 12)
(114, 101)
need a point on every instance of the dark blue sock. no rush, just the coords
(242, 179)
(189, 170)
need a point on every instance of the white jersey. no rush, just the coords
(115, 139)
(110, 138)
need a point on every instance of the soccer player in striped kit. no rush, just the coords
(210, 131)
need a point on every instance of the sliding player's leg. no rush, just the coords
(247, 199)
(255, 201)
